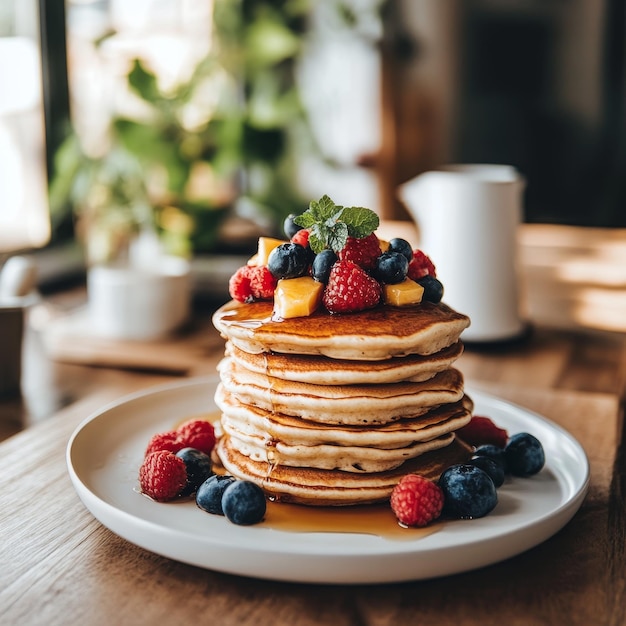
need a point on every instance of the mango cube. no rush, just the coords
(383, 245)
(404, 293)
(266, 245)
(297, 297)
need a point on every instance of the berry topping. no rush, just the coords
(350, 288)
(239, 285)
(524, 455)
(289, 260)
(390, 268)
(198, 466)
(290, 227)
(364, 251)
(164, 441)
(301, 237)
(162, 476)
(494, 469)
(402, 246)
(433, 289)
(468, 492)
(243, 503)
(322, 264)
(262, 282)
(209, 494)
(493, 452)
(420, 266)
(482, 430)
(198, 434)
(416, 501)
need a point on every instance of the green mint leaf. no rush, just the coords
(306, 220)
(361, 221)
(338, 236)
(330, 225)
(316, 240)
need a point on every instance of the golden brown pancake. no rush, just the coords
(322, 370)
(288, 441)
(318, 487)
(375, 334)
(341, 404)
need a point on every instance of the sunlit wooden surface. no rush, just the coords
(60, 566)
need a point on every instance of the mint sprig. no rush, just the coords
(330, 224)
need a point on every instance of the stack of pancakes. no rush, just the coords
(335, 409)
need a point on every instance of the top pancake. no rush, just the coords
(376, 334)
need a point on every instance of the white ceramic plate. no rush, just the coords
(106, 450)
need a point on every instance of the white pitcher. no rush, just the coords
(468, 218)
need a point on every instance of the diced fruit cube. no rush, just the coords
(297, 297)
(404, 293)
(383, 245)
(266, 245)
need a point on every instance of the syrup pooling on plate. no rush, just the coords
(376, 520)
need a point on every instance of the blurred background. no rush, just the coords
(204, 123)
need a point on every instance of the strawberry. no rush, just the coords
(350, 288)
(164, 441)
(198, 434)
(363, 251)
(482, 430)
(262, 283)
(421, 266)
(416, 501)
(162, 476)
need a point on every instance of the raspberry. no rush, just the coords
(416, 501)
(164, 441)
(162, 476)
(421, 266)
(198, 434)
(482, 430)
(239, 285)
(302, 237)
(363, 252)
(350, 289)
(262, 283)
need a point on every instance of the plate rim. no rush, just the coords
(352, 573)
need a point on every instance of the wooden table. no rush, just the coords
(58, 565)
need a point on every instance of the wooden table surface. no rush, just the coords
(58, 565)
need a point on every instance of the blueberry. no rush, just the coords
(209, 494)
(524, 455)
(402, 246)
(290, 227)
(433, 289)
(468, 492)
(491, 467)
(391, 268)
(495, 453)
(289, 260)
(244, 503)
(322, 264)
(199, 468)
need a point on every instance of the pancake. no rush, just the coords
(272, 427)
(321, 370)
(287, 441)
(319, 487)
(341, 404)
(375, 334)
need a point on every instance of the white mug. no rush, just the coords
(468, 218)
(138, 303)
